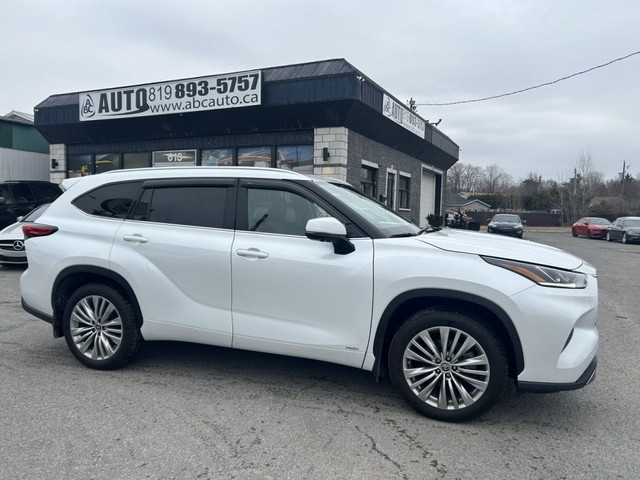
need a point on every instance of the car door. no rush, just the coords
(174, 249)
(581, 228)
(293, 295)
(615, 232)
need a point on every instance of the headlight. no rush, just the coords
(545, 276)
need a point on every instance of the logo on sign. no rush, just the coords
(87, 109)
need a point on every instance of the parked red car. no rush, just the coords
(590, 227)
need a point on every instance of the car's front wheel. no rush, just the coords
(624, 238)
(573, 232)
(447, 365)
(100, 327)
(608, 236)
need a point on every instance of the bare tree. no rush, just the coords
(576, 192)
(496, 179)
(454, 178)
(472, 177)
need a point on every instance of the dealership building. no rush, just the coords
(323, 118)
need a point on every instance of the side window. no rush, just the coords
(47, 191)
(112, 200)
(184, 205)
(5, 192)
(23, 193)
(280, 211)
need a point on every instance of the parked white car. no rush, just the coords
(274, 261)
(12, 239)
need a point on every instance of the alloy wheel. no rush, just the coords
(446, 368)
(96, 327)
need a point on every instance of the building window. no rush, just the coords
(297, 157)
(79, 165)
(369, 181)
(403, 192)
(136, 160)
(254, 157)
(217, 157)
(106, 162)
(391, 190)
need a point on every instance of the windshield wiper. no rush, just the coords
(419, 232)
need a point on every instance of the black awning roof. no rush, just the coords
(296, 97)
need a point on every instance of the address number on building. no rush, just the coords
(174, 158)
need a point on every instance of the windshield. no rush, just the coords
(598, 221)
(506, 218)
(632, 223)
(375, 213)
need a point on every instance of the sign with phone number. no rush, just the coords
(191, 95)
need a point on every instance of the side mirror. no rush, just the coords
(329, 229)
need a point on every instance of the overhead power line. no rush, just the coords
(534, 87)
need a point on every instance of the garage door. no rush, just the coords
(427, 196)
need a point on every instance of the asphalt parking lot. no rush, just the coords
(188, 411)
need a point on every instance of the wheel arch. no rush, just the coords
(408, 303)
(71, 278)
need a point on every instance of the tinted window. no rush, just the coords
(112, 200)
(197, 206)
(47, 191)
(22, 193)
(507, 218)
(279, 211)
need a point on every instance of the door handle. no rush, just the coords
(135, 238)
(251, 253)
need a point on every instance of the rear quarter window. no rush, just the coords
(113, 200)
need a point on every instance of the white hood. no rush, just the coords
(501, 247)
(12, 232)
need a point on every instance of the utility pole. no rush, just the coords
(624, 169)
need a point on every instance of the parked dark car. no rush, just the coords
(506, 224)
(625, 230)
(590, 227)
(18, 198)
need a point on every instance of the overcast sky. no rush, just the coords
(431, 51)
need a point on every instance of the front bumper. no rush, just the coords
(11, 259)
(585, 379)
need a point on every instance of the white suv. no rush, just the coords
(273, 261)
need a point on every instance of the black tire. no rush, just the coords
(487, 349)
(624, 237)
(589, 234)
(608, 236)
(574, 233)
(101, 328)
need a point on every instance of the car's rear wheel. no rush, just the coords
(100, 327)
(447, 365)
